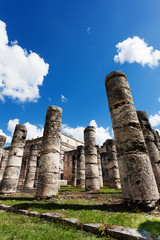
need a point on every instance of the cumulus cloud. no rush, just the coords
(12, 124)
(155, 119)
(64, 99)
(32, 130)
(21, 73)
(78, 133)
(137, 50)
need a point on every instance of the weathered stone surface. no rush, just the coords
(74, 169)
(92, 227)
(130, 142)
(70, 221)
(47, 186)
(99, 167)
(150, 140)
(2, 142)
(2, 157)
(126, 233)
(91, 164)
(31, 170)
(157, 138)
(113, 171)
(104, 165)
(4, 160)
(80, 167)
(12, 170)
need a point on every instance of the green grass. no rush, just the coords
(16, 227)
(89, 211)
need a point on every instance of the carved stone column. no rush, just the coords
(2, 160)
(80, 167)
(113, 171)
(91, 165)
(12, 171)
(47, 186)
(31, 169)
(74, 169)
(136, 174)
(150, 144)
(99, 167)
(104, 162)
(2, 142)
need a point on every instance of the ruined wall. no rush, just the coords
(68, 144)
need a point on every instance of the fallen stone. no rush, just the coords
(92, 227)
(126, 233)
(70, 221)
(51, 216)
(34, 214)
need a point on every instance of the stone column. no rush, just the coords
(150, 144)
(113, 171)
(31, 169)
(137, 178)
(104, 162)
(47, 186)
(2, 160)
(12, 171)
(2, 142)
(37, 172)
(3, 163)
(74, 169)
(80, 167)
(99, 167)
(157, 138)
(91, 166)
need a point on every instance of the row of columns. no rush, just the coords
(136, 151)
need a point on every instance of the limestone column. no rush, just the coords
(47, 185)
(104, 162)
(150, 144)
(74, 169)
(31, 169)
(37, 172)
(12, 171)
(2, 160)
(113, 171)
(99, 167)
(3, 163)
(2, 142)
(157, 139)
(91, 166)
(137, 178)
(80, 167)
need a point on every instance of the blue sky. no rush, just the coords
(59, 52)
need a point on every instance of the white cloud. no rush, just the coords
(155, 119)
(78, 133)
(12, 124)
(137, 50)
(32, 130)
(21, 73)
(64, 99)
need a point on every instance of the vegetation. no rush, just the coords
(89, 210)
(16, 227)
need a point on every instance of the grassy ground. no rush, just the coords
(87, 208)
(17, 227)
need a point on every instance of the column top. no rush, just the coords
(114, 74)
